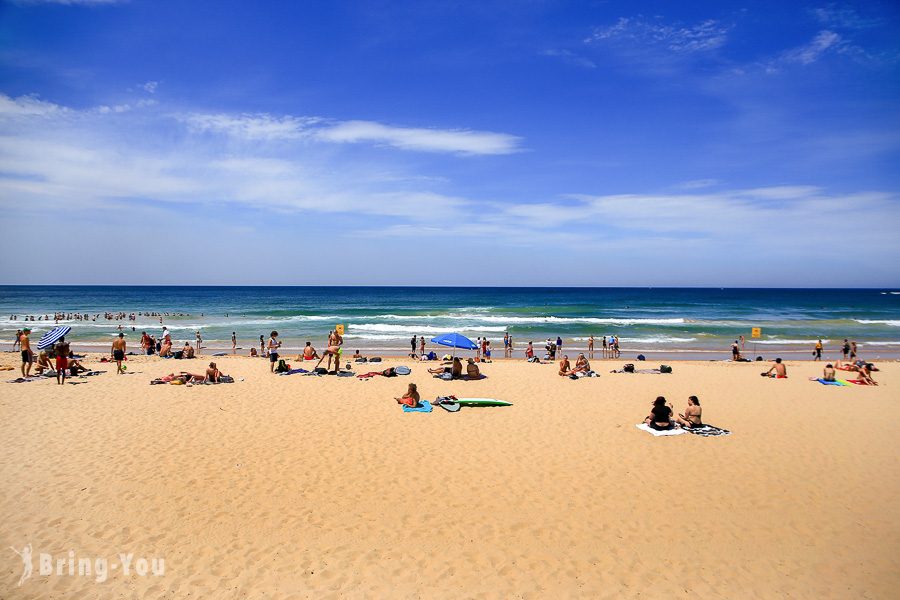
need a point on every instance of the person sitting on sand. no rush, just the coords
(472, 371)
(692, 416)
(581, 365)
(166, 349)
(253, 352)
(212, 373)
(565, 369)
(187, 351)
(455, 369)
(43, 363)
(660, 417)
(410, 398)
(864, 376)
(309, 353)
(779, 368)
(357, 355)
(75, 367)
(828, 373)
(529, 351)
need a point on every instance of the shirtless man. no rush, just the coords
(779, 368)
(309, 353)
(118, 351)
(61, 348)
(18, 342)
(335, 341)
(27, 354)
(591, 346)
(581, 365)
(564, 367)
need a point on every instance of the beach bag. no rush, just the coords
(282, 367)
(392, 372)
(361, 360)
(641, 357)
(665, 369)
(179, 354)
(446, 376)
(375, 359)
(320, 371)
(432, 356)
(226, 379)
(629, 368)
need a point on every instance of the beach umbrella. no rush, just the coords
(51, 337)
(454, 340)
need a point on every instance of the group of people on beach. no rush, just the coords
(662, 415)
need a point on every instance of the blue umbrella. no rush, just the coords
(52, 336)
(454, 340)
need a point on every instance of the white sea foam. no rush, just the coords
(776, 342)
(663, 339)
(891, 322)
(421, 329)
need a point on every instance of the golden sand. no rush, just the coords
(299, 487)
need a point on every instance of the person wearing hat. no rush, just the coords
(27, 354)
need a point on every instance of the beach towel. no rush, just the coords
(91, 373)
(220, 354)
(838, 382)
(653, 432)
(402, 370)
(426, 407)
(23, 379)
(294, 372)
(707, 431)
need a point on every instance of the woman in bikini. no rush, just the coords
(660, 417)
(692, 416)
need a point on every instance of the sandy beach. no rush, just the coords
(302, 487)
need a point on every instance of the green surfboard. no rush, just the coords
(482, 402)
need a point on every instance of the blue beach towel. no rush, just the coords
(426, 407)
(294, 372)
(836, 382)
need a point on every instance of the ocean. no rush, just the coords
(677, 322)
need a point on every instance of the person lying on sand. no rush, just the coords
(410, 398)
(472, 371)
(565, 369)
(455, 370)
(865, 375)
(660, 417)
(778, 370)
(692, 414)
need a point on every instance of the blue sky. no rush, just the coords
(488, 143)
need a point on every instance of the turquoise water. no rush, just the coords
(663, 320)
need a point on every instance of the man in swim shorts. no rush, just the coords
(62, 360)
(27, 354)
(274, 345)
(118, 352)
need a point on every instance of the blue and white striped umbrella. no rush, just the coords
(52, 336)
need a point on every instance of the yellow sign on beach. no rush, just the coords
(339, 328)
(756, 332)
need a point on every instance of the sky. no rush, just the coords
(529, 142)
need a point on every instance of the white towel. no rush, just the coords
(651, 431)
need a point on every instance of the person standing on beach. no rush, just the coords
(478, 348)
(61, 348)
(233, 342)
(742, 342)
(852, 350)
(559, 344)
(510, 346)
(604, 349)
(591, 346)
(27, 354)
(18, 341)
(422, 345)
(412, 345)
(506, 344)
(118, 352)
(845, 349)
(818, 351)
(735, 351)
(274, 345)
(199, 341)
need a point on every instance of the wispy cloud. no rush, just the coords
(428, 140)
(570, 57)
(676, 37)
(150, 87)
(811, 52)
(250, 126)
(25, 106)
(842, 17)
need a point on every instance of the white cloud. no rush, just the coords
(250, 126)
(150, 87)
(570, 57)
(704, 36)
(24, 106)
(843, 17)
(428, 140)
(811, 52)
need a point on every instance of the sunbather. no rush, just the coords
(455, 370)
(828, 373)
(778, 370)
(692, 414)
(581, 365)
(43, 363)
(187, 351)
(865, 376)
(410, 398)
(309, 353)
(565, 369)
(75, 367)
(472, 371)
(660, 417)
(212, 373)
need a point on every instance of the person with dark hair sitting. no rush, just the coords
(472, 370)
(779, 369)
(692, 416)
(660, 417)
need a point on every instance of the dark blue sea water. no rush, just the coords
(670, 320)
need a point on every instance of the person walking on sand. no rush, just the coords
(118, 352)
(818, 351)
(18, 342)
(27, 354)
(422, 345)
(61, 349)
(274, 345)
(233, 343)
